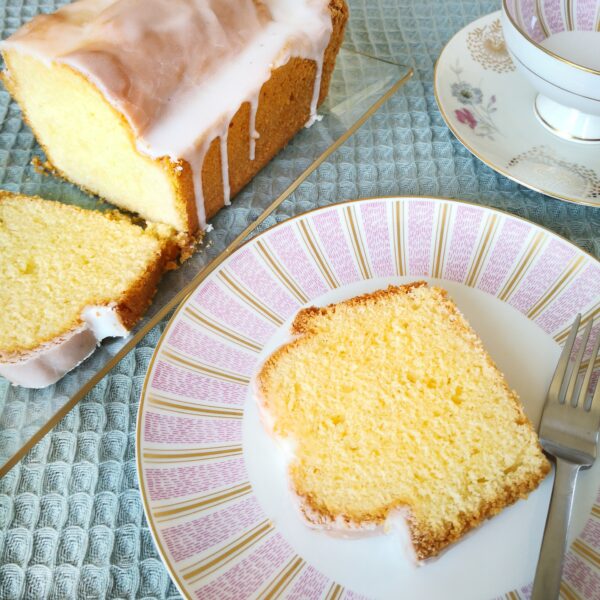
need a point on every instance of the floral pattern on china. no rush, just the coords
(488, 107)
(477, 112)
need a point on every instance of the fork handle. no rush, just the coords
(546, 585)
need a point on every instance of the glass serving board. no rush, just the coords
(359, 85)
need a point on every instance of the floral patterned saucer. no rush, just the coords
(488, 106)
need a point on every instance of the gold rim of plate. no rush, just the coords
(200, 279)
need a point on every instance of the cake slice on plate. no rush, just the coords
(167, 108)
(393, 406)
(69, 278)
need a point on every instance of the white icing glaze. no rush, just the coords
(253, 134)
(179, 70)
(225, 168)
(52, 361)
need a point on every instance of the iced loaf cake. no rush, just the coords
(69, 278)
(167, 108)
(393, 407)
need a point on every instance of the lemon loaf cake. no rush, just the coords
(68, 278)
(167, 108)
(393, 407)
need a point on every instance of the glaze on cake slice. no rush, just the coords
(393, 406)
(167, 108)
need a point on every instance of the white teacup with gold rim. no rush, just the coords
(556, 45)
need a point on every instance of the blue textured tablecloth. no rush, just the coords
(71, 517)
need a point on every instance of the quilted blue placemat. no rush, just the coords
(71, 517)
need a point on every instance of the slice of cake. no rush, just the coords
(68, 278)
(167, 108)
(393, 406)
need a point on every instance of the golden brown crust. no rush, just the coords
(301, 323)
(283, 109)
(134, 302)
(427, 543)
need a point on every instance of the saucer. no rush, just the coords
(490, 108)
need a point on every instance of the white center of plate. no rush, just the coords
(500, 555)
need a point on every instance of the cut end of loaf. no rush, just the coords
(393, 404)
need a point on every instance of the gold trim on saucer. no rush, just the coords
(483, 159)
(560, 132)
(202, 276)
(552, 83)
(545, 50)
(179, 297)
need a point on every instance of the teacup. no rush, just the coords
(556, 45)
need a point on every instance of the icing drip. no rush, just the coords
(48, 363)
(253, 134)
(225, 168)
(195, 160)
(179, 70)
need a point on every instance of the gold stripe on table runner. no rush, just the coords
(179, 359)
(203, 410)
(248, 297)
(483, 249)
(526, 261)
(224, 555)
(221, 330)
(596, 511)
(169, 512)
(161, 455)
(440, 241)
(513, 596)
(316, 254)
(567, 277)
(357, 242)
(283, 579)
(399, 256)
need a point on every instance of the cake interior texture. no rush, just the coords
(57, 260)
(391, 402)
(89, 142)
(92, 143)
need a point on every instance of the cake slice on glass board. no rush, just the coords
(395, 411)
(69, 278)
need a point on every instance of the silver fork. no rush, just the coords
(569, 432)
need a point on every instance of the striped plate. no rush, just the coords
(214, 485)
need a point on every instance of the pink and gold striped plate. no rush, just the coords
(213, 483)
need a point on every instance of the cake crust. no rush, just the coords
(427, 542)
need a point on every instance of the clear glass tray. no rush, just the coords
(360, 84)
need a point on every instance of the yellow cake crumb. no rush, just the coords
(392, 402)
